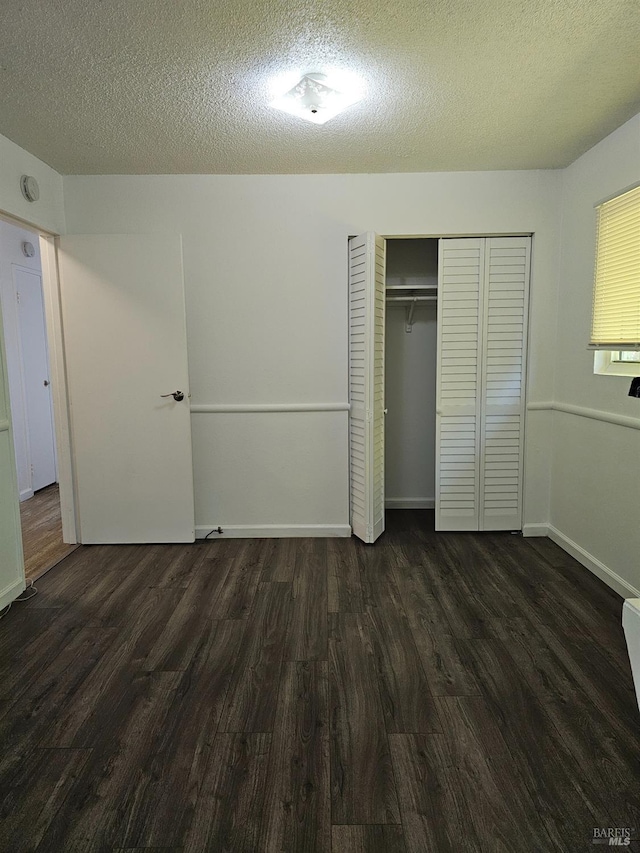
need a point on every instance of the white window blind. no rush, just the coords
(616, 292)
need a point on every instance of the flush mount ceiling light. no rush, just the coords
(315, 100)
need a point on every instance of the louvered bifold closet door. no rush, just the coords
(458, 394)
(506, 299)
(366, 384)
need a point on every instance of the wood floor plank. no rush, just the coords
(297, 809)
(229, 806)
(445, 670)
(175, 565)
(253, 692)
(502, 811)
(30, 802)
(85, 717)
(581, 722)
(407, 701)
(568, 800)
(180, 637)
(307, 634)
(345, 594)
(435, 812)
(96, 813)
(279, 560)
(362, 783)
(235, 598)
(37, 639)
(27, 719)
(368, 839)
(437, 576)
(164, 798)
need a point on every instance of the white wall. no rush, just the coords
(48, 211)
(596, 464)
(410, 379)
(11, 238)
(265, 272)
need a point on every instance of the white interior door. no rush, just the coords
(459, 383)
(34, 358)
(12, 581)
(125, 344)
(366, 384)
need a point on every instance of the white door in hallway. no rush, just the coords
(34, 358)
(125, 344)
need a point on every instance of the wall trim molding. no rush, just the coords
(274, 531)
(25, 494)
(531, 530)
(598, 568)
(583, 412)
(238, 408)
(410, 503)
(12, 591)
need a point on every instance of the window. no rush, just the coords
(616, 291)
(615, 330)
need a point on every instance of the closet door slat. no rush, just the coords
(366, 384)
(506, 287)
(458, 383)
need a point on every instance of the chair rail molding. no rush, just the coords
(584, 412)
(237, 408)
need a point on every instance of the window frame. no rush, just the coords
(604, 364)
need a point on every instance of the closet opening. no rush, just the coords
(411, 337)
(437, 375)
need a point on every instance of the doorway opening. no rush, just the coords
(411, 337)
(30, 376)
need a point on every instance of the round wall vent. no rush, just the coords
(30, 188)
(27, 249)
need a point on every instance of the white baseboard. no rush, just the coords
(274, 531)
(9, 593)
(535, 530)
(25, 494)
(620, 585)
(410, 503)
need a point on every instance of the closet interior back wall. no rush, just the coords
(410, 378)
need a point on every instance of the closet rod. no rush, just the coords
(412, 298)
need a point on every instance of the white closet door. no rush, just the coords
(458, 383)
(366, 384)
(506, 287)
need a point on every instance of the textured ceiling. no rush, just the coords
(181, 86)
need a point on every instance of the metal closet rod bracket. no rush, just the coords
(408, 326)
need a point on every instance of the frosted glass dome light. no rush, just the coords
(313, 100)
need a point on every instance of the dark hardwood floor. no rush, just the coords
(434, 692)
